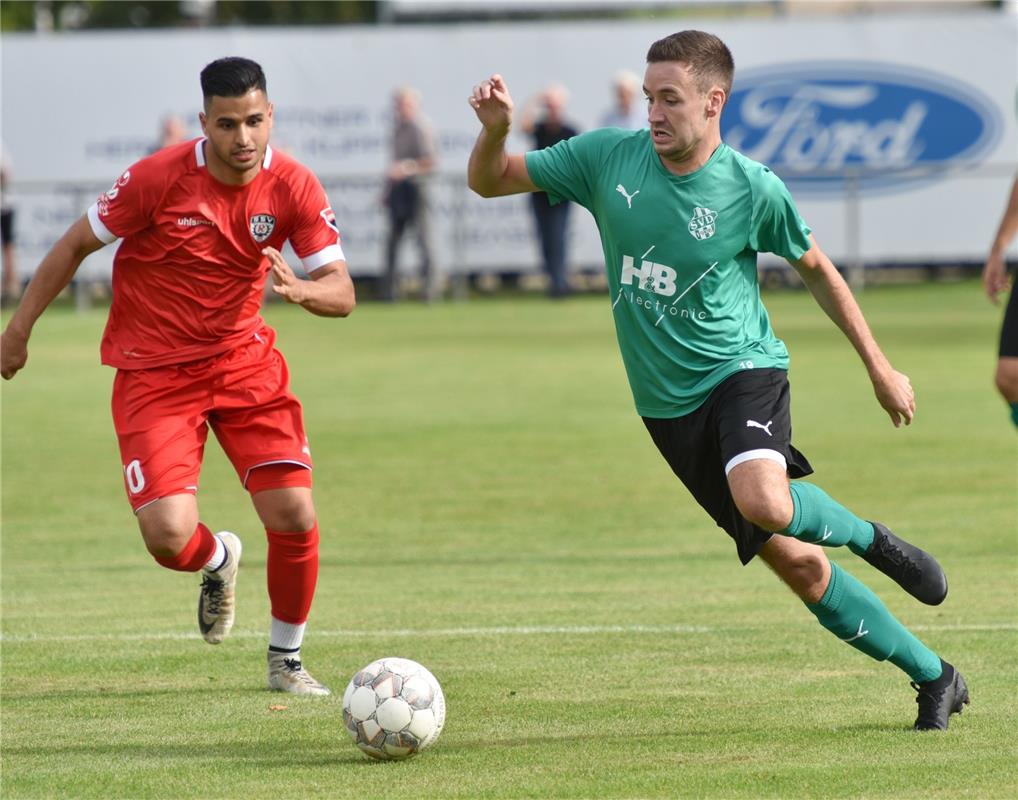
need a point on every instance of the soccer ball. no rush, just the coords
(393, 708)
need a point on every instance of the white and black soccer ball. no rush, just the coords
(393, 708)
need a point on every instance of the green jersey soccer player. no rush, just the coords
(682, 217)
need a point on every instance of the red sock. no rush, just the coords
(292, 572)
(196, 552)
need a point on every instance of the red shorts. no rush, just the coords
(162, 417)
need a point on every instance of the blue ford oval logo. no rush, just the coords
(815, 123)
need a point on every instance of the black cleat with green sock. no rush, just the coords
(914, 570)
(939, 699)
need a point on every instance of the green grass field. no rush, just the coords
(491, 506)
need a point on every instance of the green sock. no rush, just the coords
(855, 615)
(818, 519)
(1014, 414)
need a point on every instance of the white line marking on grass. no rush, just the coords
(508, 630)
(522, 630)
(997, 626)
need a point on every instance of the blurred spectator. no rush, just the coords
(544, 119)
(406, 192)
(996, 280)
(172, 130)
(629, 111)
(11, 288)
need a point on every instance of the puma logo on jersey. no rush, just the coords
(629, 197)
(750, 423)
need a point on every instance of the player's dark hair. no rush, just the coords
(708, 58)
(231, 77)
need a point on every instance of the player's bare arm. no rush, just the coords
(491, 171)
(329, 293)
(54, 273)
(995, 277)
(892, 388)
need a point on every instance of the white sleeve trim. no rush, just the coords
(102, 233)
(334, 252)
(753, 455)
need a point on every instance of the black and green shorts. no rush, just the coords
(746, 417)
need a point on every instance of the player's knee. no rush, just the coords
(164, 539)
(293, 521)
(1006, 380)
(771, 511)
(288, 513)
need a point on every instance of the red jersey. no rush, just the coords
(189, 275)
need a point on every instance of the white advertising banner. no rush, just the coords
(896, 134)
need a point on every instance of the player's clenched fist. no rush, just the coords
(13, 354)
(897, 397)
(492, 103)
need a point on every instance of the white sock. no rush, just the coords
(286, 637)
(218, 559)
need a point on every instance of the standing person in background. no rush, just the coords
(996, 281)
(544, 120)
(406, 193)
(172, 130)
(202, 224)
(629, 112)
(11, 286)
(682, 217)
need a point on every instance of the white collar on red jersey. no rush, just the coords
(199, 154)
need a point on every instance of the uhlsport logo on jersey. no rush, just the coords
(815, 122)
(261, 226)
(702, 223)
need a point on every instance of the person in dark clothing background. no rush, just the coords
(544, 120)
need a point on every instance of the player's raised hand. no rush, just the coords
(13, 354)
(493, 104)
(895, 394)
(285, 282)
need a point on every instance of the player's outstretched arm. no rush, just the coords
(995, 279)
(54, 273)
(892, 388)
(492, 172)
(329, 293)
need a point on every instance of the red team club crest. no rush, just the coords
(262, 226)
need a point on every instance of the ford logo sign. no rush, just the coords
(816, 123)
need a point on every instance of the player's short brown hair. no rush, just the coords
(708, 58)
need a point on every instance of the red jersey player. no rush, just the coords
(202, 224)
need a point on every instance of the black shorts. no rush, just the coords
(7, 226)
(1009, 330)
(746, 417)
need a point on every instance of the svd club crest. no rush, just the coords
(701, 224)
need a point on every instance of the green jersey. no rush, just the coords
(680, 253)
